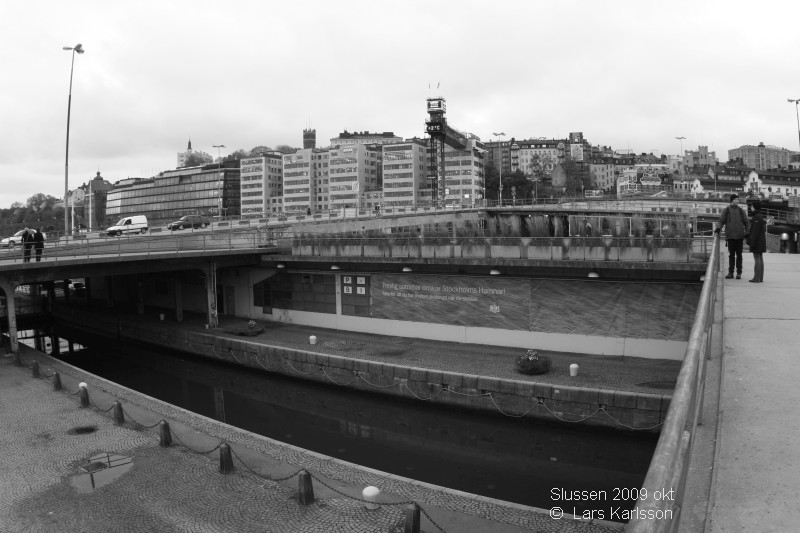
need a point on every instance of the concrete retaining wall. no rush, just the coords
(514, 397)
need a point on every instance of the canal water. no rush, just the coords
(518, 460)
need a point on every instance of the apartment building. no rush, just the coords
(762, 157)
(699, 157)
(404, 176)
(305, 180)
(463, 173)
(262, 184)
(364, 137)
(354, 169)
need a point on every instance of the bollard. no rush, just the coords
(83, 394)
(119, 417)
(371, 495)
(573, 369)
(56, 381)
(165, 437)
(412, 519)
(35, 369)
(304, 488)
(225, 459)
(312, 339)
(17, 358)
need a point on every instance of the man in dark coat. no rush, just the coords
(737, 226)
(757, 241)
(27, 244)
(38, 243)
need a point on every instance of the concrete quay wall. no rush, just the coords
(595, 407)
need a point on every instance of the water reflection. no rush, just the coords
(101, 470)
(515, 460)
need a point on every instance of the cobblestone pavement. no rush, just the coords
(45, 486)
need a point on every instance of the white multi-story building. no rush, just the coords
(182, 156)
(262, 184)
(364, 137)
(354, 169)
(404, 173)
(699, 157)
(305, 180)
(762, 157)
(463, 171)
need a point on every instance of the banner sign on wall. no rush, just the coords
(464, 301)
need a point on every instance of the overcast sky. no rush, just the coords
(628, 74)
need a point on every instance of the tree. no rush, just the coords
(286, 149)
(577, 177)
(491, 180)
(516, 187)
(541, 168)
(238, 154)
(194, 160)
(37, 201)
(258, 150)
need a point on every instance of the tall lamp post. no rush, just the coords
(501, 134)
(219, 165)
(796, 101)
(79, 49)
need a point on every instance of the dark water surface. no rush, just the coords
(516, 460)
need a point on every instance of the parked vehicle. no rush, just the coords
(13, 240)
(131, 224)
(189, 221)
(78, 288)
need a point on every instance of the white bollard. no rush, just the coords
(573, 370)
(312, 339)
(371, 495)
(82, 385)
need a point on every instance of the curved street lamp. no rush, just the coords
(79, 49)
(796, 101)
(501, 134)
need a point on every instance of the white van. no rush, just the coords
(131, 224)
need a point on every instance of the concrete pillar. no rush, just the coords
(211, 294)
(88, 282)
(177, 282)
(66, 289)
(9, 288)
(51, 296)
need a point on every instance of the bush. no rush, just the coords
(533, 363)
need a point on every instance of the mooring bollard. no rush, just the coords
(312, 339)
(165, 437)
(573, 369)
(119, 416)
(56, 381)
(412, 519)
(225, 459)
(305, 488)
(35, 370)
(83, 393)
(371, 495)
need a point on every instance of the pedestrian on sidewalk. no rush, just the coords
(737, 226)
(757, 241)
(38, 243)
(27, 244)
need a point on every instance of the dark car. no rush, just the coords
(189, 221)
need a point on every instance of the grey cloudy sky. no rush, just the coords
(628, 74)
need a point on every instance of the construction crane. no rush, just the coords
(441, 135)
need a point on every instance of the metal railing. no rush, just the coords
(157, 244)
(661, 496)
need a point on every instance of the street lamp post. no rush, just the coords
(500, 196)
(79, 49)
(681, 154)
(219, 165)
(796, 101)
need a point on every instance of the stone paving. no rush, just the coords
(180, 488)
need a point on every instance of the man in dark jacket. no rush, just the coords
(38, 243)
(737, 226)
(757, 241)
(27, 244)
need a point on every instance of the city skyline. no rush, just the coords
(629, 76)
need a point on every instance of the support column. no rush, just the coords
(219, 404)
(8, 289)
(177, 282)
(88, 283)
(211, 294)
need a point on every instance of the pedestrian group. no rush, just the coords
(739, 228)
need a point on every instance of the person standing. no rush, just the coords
(737, 226)
(27, 244)
(757, 241)
(38, 243)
